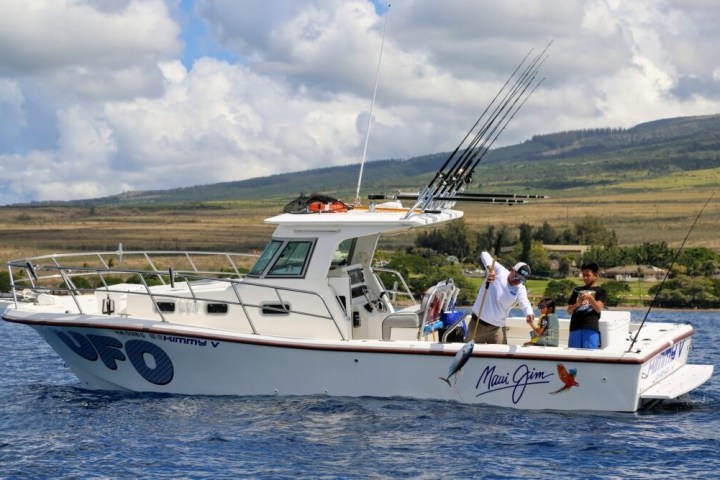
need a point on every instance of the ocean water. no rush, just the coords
(52, 428)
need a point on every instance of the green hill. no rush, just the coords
(635, 158)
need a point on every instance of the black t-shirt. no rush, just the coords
(584, 316)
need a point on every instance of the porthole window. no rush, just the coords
(167, 307)
(217, 308)
(276, 309)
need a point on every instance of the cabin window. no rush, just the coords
(217, 308)
(267, 255)
(276, 309)
(343, 253)
(292, 261)
(166, 306)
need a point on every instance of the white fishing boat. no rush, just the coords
(313, 316)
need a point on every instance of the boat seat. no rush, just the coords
(399, 320)
(436, 300)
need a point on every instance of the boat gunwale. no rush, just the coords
(378, 346)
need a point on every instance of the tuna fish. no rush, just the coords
(460, 359)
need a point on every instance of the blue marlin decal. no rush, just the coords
(460, 359)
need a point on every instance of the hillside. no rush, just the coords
(646, 183)
(555, 162)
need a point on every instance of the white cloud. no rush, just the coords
(95, 100)
(47, 34)
(11, 107)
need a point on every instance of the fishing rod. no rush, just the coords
(510, 99)
(489, 141)
(500, 112)
(677, 254)
(492, 129)
(439, 174)
(503, 199)
(439, 179)
(412, 195)
(466, 178)
(500, 195)
(461, 198)
(372, 104)
(449, 183)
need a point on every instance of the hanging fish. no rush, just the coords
(460, 359)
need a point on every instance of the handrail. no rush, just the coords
(145, 255)
(51, 268)
(402, 280)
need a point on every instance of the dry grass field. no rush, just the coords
(635, 217)
(37, 231)
(660, 211)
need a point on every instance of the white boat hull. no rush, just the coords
(145, 356)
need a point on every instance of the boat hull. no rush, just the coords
(156, 357)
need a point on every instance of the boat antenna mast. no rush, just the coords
(372, 104)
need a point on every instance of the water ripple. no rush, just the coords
(53, 428)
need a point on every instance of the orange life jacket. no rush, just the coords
(331, 207)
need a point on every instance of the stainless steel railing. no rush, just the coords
(80, 274)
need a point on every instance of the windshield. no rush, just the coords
(343, 253)
(267, 255)
(291, 261)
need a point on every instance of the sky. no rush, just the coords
(101, 97)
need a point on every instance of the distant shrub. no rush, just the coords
(4, 282)
(616, 291)
(560, 290)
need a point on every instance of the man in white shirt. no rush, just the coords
(501, 289)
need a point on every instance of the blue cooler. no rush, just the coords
(449, 318)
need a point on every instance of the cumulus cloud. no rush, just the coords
(99, 97)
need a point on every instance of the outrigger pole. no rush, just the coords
(677, 254)
(504, 198)
(452, 177)
(372, 104)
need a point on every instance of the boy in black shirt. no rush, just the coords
(584, 306)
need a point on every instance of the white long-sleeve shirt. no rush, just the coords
(501, 295)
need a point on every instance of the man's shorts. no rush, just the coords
(584, 338)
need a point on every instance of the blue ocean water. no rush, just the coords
(52, 428)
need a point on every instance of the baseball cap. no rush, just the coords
(522, 270)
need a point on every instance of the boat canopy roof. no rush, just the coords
(378, 221)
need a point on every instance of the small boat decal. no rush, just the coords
(567, 377)
(516, 383)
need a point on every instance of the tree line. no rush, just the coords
(692, 281)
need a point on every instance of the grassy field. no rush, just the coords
(641, 211)
(636, 217)
(638, 296)
(37, 231)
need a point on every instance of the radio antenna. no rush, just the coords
(372, 104)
